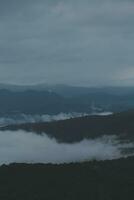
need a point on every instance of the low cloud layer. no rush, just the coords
(26, 147)
(23, 118)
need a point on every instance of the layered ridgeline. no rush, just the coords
(88, 127)
(107, 180)
(52, 100)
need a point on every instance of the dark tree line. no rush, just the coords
(108, 180)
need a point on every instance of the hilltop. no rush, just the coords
(76, 129)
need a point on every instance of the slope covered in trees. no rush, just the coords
(72, 130)
(106, 180)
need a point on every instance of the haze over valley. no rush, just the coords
(66, 100)
(89, 129)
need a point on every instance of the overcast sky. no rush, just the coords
(79, 42)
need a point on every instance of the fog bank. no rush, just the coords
(23, 118)
(26, 147)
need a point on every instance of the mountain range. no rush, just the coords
(52, 100)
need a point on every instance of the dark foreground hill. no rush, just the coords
(72, 130)
(108, 180)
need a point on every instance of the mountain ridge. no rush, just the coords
(89, 127)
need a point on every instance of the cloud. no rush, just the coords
(77, 42)
(23, 118)
(25, 147)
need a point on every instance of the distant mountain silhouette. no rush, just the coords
(30, 102)
(56, 99)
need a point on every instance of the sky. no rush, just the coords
(77, 42)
